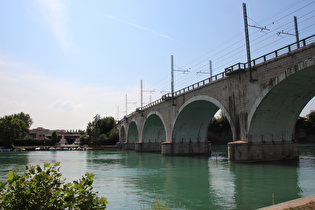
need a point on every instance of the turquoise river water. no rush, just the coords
(132, 180)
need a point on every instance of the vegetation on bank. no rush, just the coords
(305, 128)
(44, 188)
(219, 130)
(14, 131)
(101, 131)
(14, 127)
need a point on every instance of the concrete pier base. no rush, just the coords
(128, 146)
(186, 148)
(262, 151)
(148, 147)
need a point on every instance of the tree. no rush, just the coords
(219, 124)
(43, 188)
(219, 130)
(14, 127)
(311, 117)
(101, 130)
(10, 129)
(306, 125)
(24, 117)
(54, 138)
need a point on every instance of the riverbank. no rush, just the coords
(300, 203)
(61, 147)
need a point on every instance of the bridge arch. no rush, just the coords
(133, 134)
(122, 134)
(154, 129)
(194, 116)
(274, 113)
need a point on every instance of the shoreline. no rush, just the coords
(291, 204)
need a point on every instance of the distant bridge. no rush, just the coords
(261, 101)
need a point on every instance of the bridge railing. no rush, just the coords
(195, 85)
(271, 55)
(231, 69)
(283, 50)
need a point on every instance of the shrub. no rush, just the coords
(44, 188)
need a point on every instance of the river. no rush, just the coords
(132, 180)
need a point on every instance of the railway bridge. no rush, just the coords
(261, 99)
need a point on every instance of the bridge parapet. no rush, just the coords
(231, 69)
(271, 55)
(261, 113)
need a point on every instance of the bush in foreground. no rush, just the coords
(44, 188)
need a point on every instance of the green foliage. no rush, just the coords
(306, 123)
(311, 117)
(219, 125)
(44, 188)
(54, 138)
(32, 142)
(14, 127)
(101, 131)
(25, 118)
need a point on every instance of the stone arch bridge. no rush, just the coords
(262, 111)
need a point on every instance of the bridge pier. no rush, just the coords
(186, 148)
(128, 146)
(148, 147)
(262, 151)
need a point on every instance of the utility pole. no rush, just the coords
(247, 42)
(296, 32)
(172, 78)
(141, 89)
(210, 70)
(210, 66)
(150, 91)
(126, 104)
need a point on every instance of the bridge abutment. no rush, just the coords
(186, 148)
(148, 147)
(128, 146)
(262, 151)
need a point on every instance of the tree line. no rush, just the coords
(14, 127)
(305, 127)
(219, 130)
(101, 131)
(14, 130)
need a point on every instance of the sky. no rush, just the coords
(64, 61)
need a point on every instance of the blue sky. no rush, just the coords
(63, 62)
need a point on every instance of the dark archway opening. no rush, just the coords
(219, 130)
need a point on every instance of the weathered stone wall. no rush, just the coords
(258, 113)
(191, 148)
(262, 151)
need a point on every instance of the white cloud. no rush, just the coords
(53, 102)
(134, 25)
(54, 12)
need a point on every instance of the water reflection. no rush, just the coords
(264, 180)
(306, 172)
(222, 183)
(132, 180)
(10, 161)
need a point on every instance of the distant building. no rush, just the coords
(39, 133)
(43, 133)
